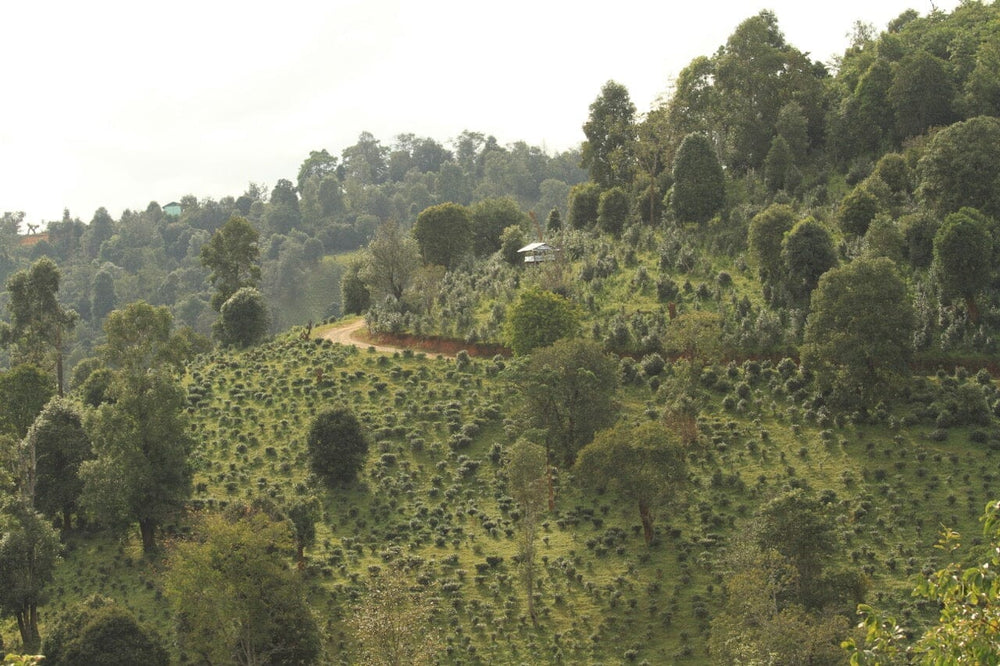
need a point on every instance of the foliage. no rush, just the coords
(234, 598)
(612, 210)
(960, 168)
(609, 150)
(644, 464)
(56, 445)
(354, 295)
(767, 229)
(699, 190)
(528, 483)
(243, 319)
(337, 446)
(392, 623)
(537, 319)
(963, 252)
(39, 321)
(29, 549)
(390, 261)
(584, 200)
(24, 391)
(233, 257)
(489, 219)
(444, 234)
(101, 632)
(857, 210)
(807, 252)
(859, 333)
(967, 630)
(568, 390)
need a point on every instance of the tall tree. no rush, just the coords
(858, 337)
(141, 472)
(489, 219)
(963, 254)
(53, 450)
(39, 322)
(807, 252)
(609, 151)
(538, 318)
(527, 483)
(962, 168)
(29, 549)
(233, 257)
(699, 190)
(391, 259)
(234, 597)
(444, 234)
(644, 464)
(567, 390)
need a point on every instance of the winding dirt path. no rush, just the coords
(349, 334)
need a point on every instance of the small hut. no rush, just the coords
(535, 253)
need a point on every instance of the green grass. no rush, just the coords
(423, 506)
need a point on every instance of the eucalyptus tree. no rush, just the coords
(39, 322)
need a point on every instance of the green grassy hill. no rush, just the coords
(433, 503)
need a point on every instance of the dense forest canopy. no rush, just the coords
(749, 373)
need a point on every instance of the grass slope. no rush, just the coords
(432, 501)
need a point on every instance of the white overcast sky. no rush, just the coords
(117, 104)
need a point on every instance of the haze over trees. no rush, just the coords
(752, 374)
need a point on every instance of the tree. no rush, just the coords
(699, 190)
(567, 390)
(24, 391)
(961, 168)
(100, 632)
(512, 240)
(858, 336)
(141, 472)
(921, 93)
(392, 623)
(54, 448)
(233, 257)
(857, 210)
(778, 168)
(103, 300)
(243, 319)
(609, 150)
(538, 318)
(767, 229)
(528, 484)
(282, 213)
(553, 223)
(489, 219)
(644, 464)
(354, 295)
(391, 259)
(234, 597)
(39, 323)
(29, 549)
(584, 201)
(807, 252)
(319, 165)
(612, 210)
(337, 446)
(963, 251)
(444, 234)
(138, 339)
(968, 602)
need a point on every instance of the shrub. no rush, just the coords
(337, 446)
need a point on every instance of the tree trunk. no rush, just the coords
(27, 625)
(970, 304)
(646, 515)
(147, 527)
